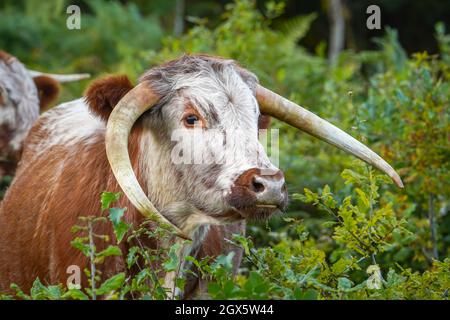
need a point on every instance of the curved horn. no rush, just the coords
(281, 108)
(124, 115)
(60, 77)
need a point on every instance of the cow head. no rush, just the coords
(20, 86)
(204, 112)
(23, 93)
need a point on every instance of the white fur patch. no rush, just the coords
(68, 124)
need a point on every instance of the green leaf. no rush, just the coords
(301, 294)
(244, 242)
(363, 197)
(393, 279)
(54, 292)
(309, 197)
(110, 251)
(107, 198)
(19, 293)
(329, 224)
(121, 230)
(173, 262)
(142, 275)
(131, 256)
(78, 244)
(341, 265)
(257, 286)
(116, 214)
(301, 197)
(294, 29)
(120, 227)
(112, 284)
(344, 284)
(39, 292)
(214, 289)
(75, 294)
(351, 176)
(224, 261)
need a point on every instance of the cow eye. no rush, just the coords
(190, 120)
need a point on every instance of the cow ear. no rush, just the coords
(48, 90)
(104, 94)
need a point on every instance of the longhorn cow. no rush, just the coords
(120, 137)
(23, 93)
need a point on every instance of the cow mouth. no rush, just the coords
(258, 212)
(250, 208)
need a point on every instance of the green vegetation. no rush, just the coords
(347, 236)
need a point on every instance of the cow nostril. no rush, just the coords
(257, 186)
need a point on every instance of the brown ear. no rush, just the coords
(103, 94)
(5, 56)
(48, 90)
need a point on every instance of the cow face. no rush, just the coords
(210, 115)
(204, 134)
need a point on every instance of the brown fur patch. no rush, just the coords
(103, 94)
(48, 90)
(5, 137)
(5, 56)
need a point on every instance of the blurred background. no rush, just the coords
(388, 87)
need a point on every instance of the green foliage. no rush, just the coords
(413, 104)
(111, 39)
(362, 226)
(106, 27)
(4, 183)
(296, 267)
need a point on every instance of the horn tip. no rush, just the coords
(397, 180)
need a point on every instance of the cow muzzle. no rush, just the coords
(256, 194)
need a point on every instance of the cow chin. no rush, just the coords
(232, 214)
(256, 213)
(249, 207)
